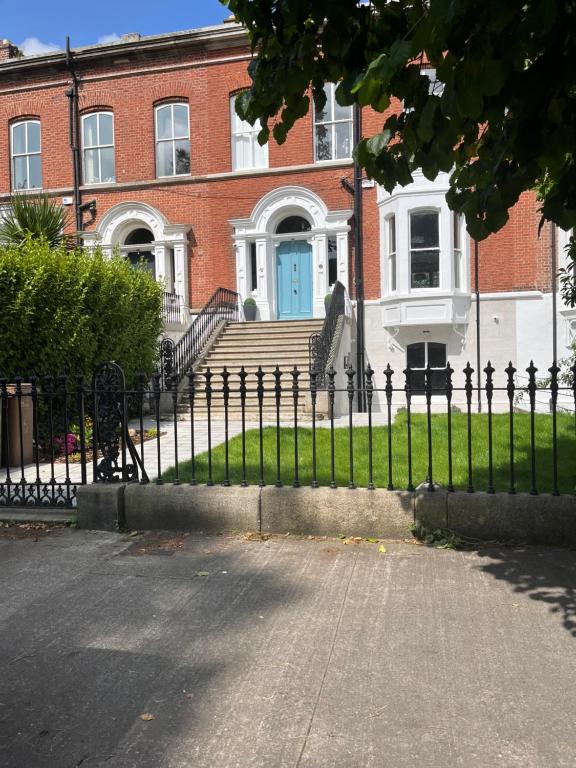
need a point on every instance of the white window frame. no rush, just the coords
(173, 139)
(331, 124)
(426, 209)
(241, 128)
(391, 253)
(457, 227)
(98, 147)
(26, 154)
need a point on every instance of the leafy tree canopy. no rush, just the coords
(504, 122)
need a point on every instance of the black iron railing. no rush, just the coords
(280, 428)
(222, 306)
(320, 344)
(172, 308)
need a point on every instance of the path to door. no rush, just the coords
(187, 652)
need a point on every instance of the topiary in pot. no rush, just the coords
(250, 308)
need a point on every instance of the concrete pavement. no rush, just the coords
(283, 653)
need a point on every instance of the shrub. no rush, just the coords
(71, 310)
(35, 217)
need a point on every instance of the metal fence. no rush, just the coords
(283, 428)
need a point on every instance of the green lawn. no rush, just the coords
(566, 454)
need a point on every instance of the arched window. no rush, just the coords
(25, 154)
(98, 147)
(293, 224)
(172, 140)
(140, 236)
(418, 357)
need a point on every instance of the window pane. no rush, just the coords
(438, 380)
(343, 140)
(260, 153)
(20, 179)
(91, 172)
(19, 139)
(181, 120)
(323, 142)
(107, 164)
(332, 261)
(33, 137)
(342, 113)
(393, 272)
(35, 169)
(90, 131)
(456, 219)
(164, 160)
(106, 132)
(182, 156)
(242, 158)
(425, 269)
(417, 380)
(164, 122)
(456, 269)
(415, 355)
(326, 113)
(436, 355)
(253, 268)
(424, 230)
(392, 234)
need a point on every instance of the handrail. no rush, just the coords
(221, 306)
(320, 344)
(172, 307)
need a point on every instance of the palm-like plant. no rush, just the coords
(33, 216)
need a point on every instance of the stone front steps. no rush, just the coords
(267, 344)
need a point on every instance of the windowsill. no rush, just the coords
(96, 184)
(174, 176)
(333, 161)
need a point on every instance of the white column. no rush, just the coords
(342, 257)
(241, 282)
(181, 273)
(160, 262)
(265, 265)
(319, 274)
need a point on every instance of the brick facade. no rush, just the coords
(203, 69)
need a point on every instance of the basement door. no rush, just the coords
(294, 276)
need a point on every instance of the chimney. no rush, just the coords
(9, 51)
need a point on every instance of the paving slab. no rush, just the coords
(280, 651)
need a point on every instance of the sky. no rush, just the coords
(41, 26)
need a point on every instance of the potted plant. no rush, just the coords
(250, 308)
(327, 300)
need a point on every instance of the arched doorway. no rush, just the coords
(294, 270)
(291, 235)
(139, 249)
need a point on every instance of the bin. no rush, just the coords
(17, 439)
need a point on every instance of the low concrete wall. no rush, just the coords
(503, 517)
(333, 511)
(187, 507)
(542, 519)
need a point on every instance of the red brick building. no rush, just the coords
(178, 179)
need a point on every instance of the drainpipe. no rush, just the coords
(478, 355)
(554, 269)
(359, 262)
(74, 134)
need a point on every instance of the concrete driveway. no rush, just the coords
(164, 651)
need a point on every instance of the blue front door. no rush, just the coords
(294, 274)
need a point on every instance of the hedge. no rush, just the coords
(64, 310)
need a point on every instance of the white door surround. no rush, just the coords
(260, 229)
(122, 219)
